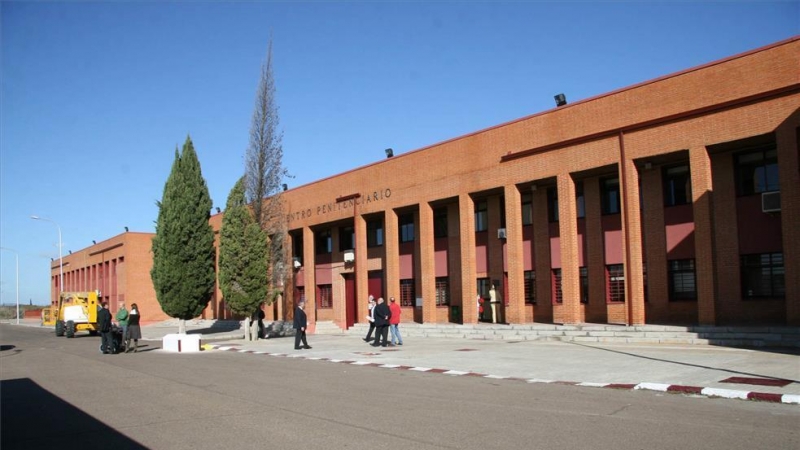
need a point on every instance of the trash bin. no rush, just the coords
(455, 314)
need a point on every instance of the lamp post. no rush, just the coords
(60, 257)
(16, 256)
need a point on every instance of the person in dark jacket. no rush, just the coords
(300, 323)
(134, 331)
(382, 314)
(104, 326)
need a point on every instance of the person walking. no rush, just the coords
(104, 326)
(134, 331)
(122, 320)
(382, 314)
(370, 318)
(300, 324)
(394, 321)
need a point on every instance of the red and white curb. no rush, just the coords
(659, 387)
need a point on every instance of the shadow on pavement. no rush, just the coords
(33, 418)
(738, 372)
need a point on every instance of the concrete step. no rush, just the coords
(328, 327)
(737, 336)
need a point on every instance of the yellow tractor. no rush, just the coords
(75, 311)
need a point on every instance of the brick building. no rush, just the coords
(674, 201)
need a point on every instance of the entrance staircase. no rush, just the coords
(728, 336)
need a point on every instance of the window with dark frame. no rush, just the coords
(610, 195)
(763, 276)
(530, 287)
(481, 216)
(527, 209)
(442, 291)
(757, 171)
(682, 282)
(347, 238)
(677, 182)
(407, 294)
(615, 282)
(584, 274)
(323, 243)
(324, 296)
(552, 204)
(556, 280)
(374, 233)
(406, 222)
(580, 201)
(440, 222)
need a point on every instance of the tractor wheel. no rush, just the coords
(59, 328)
(70, 329)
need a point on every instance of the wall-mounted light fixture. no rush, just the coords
(389, 152)
(126, 229)
(561, 99)
(296, 262)
(285, 187)
(94, 242)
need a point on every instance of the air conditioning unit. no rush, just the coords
(349, 256)
(501, 233)
(771, 202)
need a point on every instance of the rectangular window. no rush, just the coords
(681, 276)
(609, 194)
(297, 244)
(763, 276)
(580, 201)
(481, 216)
(323, 242)
(407, 295)
(527, 209)
(530, 287)
(347, 238)
(324, 296)
(757, 171)
(552, 204)
(615, 282)
(440, 222)
(374, 233)
(584, 272)
(442, 291)
(406, 228)
(556, 280)
(677, 181)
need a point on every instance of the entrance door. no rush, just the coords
(375, 284)
(349, 299)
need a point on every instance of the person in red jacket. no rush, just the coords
(394, 321)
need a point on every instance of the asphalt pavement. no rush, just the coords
(762, 374)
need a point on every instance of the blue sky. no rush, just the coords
(96, 96)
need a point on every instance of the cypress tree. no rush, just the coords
(243, 255)
(183, 247)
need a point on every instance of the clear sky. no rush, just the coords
(97, 95)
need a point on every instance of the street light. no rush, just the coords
(60, 257)
(16, 256)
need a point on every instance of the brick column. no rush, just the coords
(568, 232)
(469, 287)
(654, 230)
(632, 238)
(596, 310)
(788, 136)
(515, 296)
(427, 264)
(543, 310)
(702, 208)
(392, 259)
(725, 245)
(361, 272)
(309, 276)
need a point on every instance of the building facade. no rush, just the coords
(674, 201)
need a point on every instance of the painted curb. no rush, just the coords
(659, 387)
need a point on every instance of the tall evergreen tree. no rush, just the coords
(242, 255)
(183, 247)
